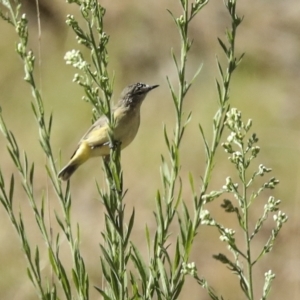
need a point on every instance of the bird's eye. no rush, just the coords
(139, 89)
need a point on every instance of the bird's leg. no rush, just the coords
(114, 144)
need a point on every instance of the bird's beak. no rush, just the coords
(151, 87)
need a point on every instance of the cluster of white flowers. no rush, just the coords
(206, 218)
(189, 268)
(229, 185)
(280, 218)
(75, 58)
(269, 276)
(227, 235)
(272, 204)
(262, 170)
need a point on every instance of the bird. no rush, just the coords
(96, 140)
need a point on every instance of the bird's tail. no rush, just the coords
(81, 155)
(67, 171)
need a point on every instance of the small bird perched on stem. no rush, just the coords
(127, 121)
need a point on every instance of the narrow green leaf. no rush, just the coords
(139, 263)
(31, 173)
(166, 136)
(188, 119)
(196, 74)
(50, 124)
(165, 173)
(166, 256)
(206, 147)
(25, 164)
(179, 195)
(191, 180)
(160, 218)
(220, 69)
(223, 46)
(53, 262)
(177, 289)
(11, 189)
(14, 158)
(187, 217)
(42, 210)
(130, 225)
(14, 144)
(163, 277)
(174, 96)
(37, 262)
(109, 260)
(34, 110)
(64, 279)
(148, 238)
(240, 58)
(177, 256)
(229, 36)
(2, 183)
(189, 240)
(175, 59)
(182, 230)
(103, 294)
(60, 222)
(105, 270)
(174, 19)
(30, 276)
(135, 287)
(155, 243)
(75, 280)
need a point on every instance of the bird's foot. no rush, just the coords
(114, 144)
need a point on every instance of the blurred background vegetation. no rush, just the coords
(265, 88)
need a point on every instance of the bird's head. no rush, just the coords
(134, 94)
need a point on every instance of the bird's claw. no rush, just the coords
(114, 144)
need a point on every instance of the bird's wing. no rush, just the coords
(96, 136)
(97, 133)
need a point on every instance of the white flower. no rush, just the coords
(74, 58)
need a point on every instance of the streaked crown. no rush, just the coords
(135, 93)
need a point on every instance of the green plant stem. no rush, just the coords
(220, 116)
(96, 76)
(44, 137)
(246, 229)
(122, 265)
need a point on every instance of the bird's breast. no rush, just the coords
(127, 125)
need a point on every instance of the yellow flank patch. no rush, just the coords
(97, 137)
(82, 154)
